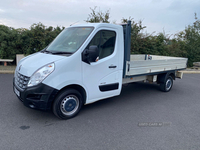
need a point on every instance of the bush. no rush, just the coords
(24, 41)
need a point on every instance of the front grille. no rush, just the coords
(21, 81)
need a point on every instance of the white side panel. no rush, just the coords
(67, 72)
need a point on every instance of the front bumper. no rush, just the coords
(37, 97)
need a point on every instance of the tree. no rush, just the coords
(190, 41)
(136, 34)
(98, 16)
(8, 44)
(25, 41)
(38, 37)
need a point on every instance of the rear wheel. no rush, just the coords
(67, 104)
(167, 84)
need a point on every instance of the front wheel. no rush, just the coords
(67, 104)
(167, 85)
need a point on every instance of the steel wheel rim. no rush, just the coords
(168, 84)
(69, 105)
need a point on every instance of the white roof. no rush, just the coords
(96, 25)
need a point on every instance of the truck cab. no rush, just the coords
(85, 59)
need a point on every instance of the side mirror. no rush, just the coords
(90, 55)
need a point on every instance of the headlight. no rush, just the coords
(41, 74)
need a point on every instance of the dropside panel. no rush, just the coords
(138, 65)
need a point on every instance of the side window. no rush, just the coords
(105, 41)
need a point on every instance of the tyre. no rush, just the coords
(167, 85)
(67, 104)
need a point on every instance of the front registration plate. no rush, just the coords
(17, 92)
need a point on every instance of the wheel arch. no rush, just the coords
(76, 87)
(172, 74)
(162, 77)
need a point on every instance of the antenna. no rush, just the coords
(74, 23)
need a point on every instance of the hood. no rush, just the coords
(34, 62)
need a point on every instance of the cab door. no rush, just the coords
(103, 77)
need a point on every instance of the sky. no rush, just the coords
(170, 16)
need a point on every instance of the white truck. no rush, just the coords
(87, 63)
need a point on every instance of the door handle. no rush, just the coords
(112, 66)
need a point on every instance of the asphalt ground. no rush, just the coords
(141, 118)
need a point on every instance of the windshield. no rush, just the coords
(69, 40)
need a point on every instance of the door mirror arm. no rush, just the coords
(85, 56)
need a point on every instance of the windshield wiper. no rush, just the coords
(54, 52)
(45, 51)
(59, 52)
